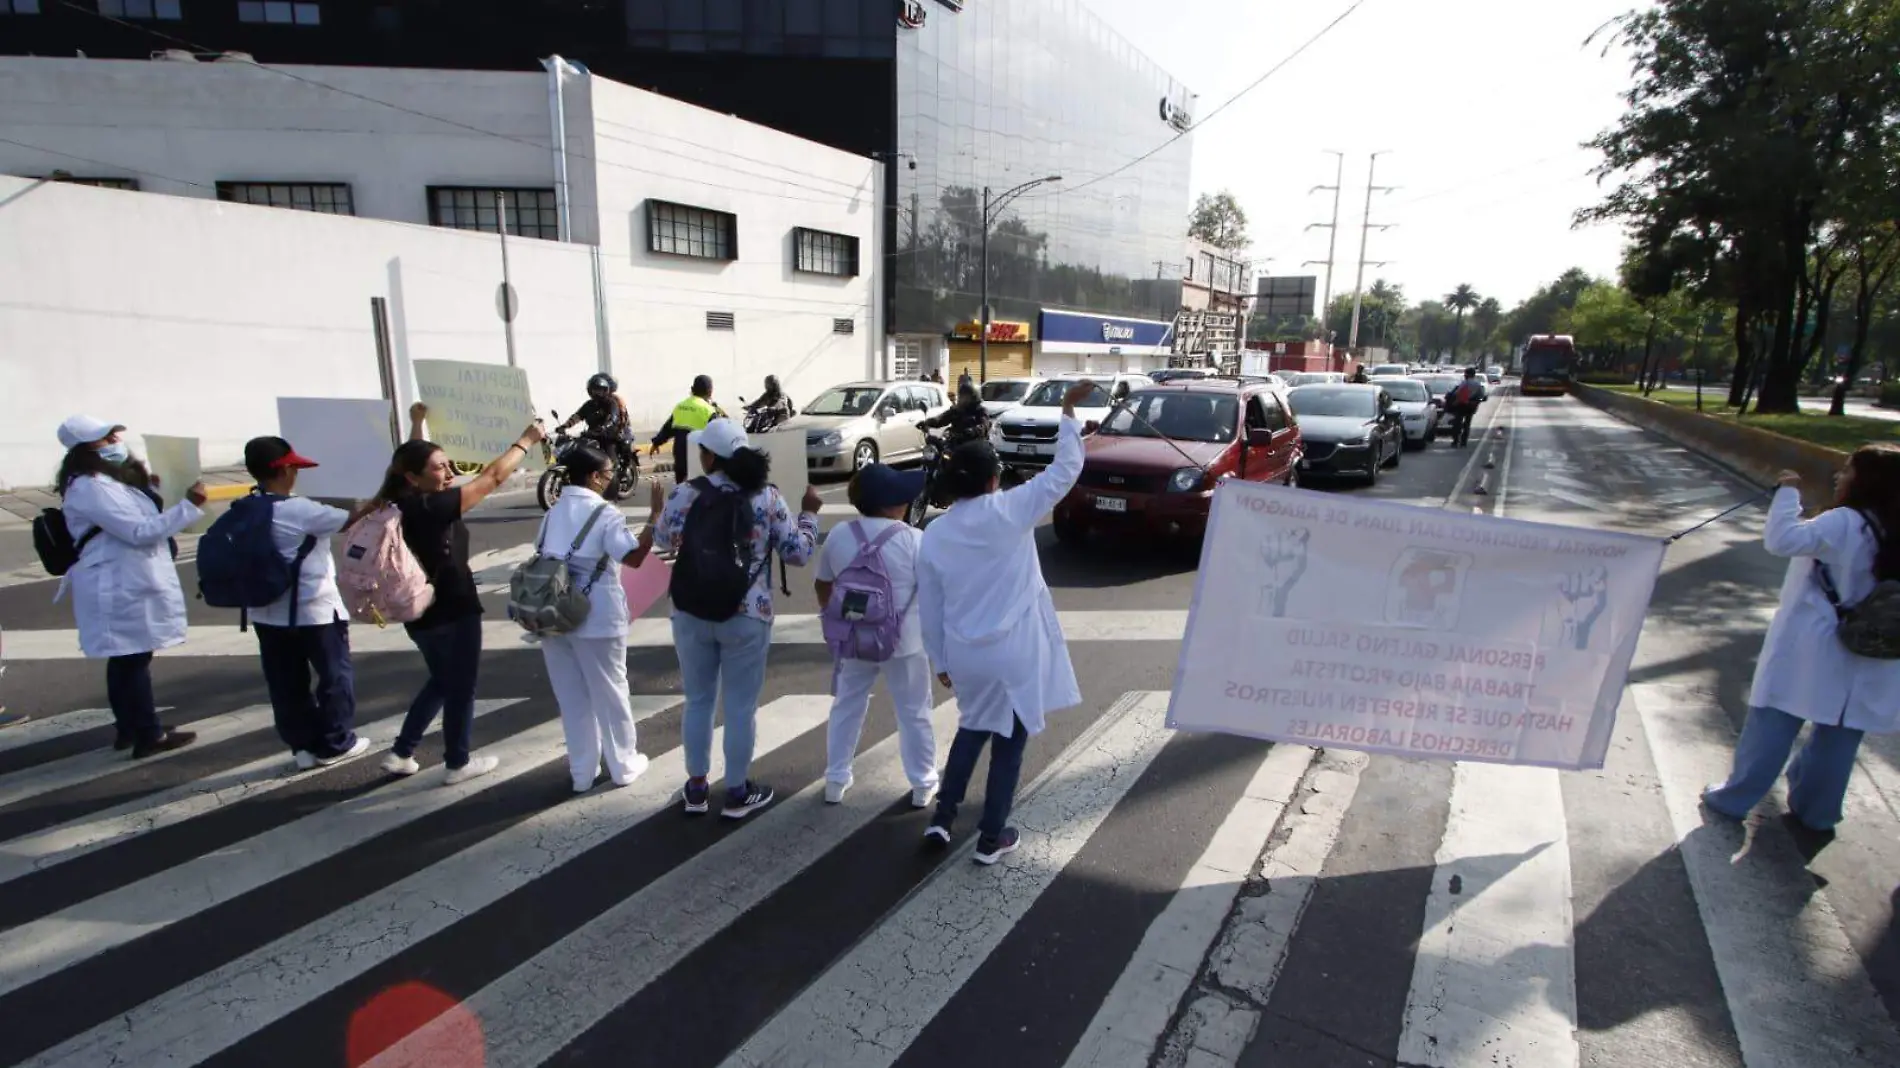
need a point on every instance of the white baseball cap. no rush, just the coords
(84, 429)
(722, 437)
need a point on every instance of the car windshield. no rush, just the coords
(1309, 378)
(1439, 384)
(1049, 395)
(1389, 369)
(1403, 389)
(845, 400)
(1332, 400)
(1182, 416)
(1004, 391)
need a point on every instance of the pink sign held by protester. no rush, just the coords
(645, 585)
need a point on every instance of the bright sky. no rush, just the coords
(1483, 105)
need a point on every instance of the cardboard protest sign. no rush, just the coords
(476, 410)
(645, 585)
(1357, 624)
(175, 463)
(349, 440)
(787, 450)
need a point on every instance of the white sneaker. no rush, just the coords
(400, 765)
(834, 791)
(922, 796)
(356, 749)
(305, 759)
(635, 768)
(476, 766)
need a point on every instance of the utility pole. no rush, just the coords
(507, 284)
(1365, 232)
(1332, 236)
(990, 208)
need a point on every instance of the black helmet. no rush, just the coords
(602, 383)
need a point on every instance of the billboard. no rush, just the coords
(1287, 295)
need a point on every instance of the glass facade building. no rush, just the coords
(953, 95)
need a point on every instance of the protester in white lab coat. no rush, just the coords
(882, 495)
(318, 724)
(1805, 674)
(127, 602)
(587, 666)
(990, 625)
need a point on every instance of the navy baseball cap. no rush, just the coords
(880, 486)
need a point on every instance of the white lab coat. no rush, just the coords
(1804, 670)
(989, 622)
(126, 597)
(607, 612)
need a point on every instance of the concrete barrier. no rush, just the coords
(1759, 455)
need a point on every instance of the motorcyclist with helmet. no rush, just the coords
(770, 409)
(966, 420)
(608, 423)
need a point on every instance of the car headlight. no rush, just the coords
(1186, 480)
(831, 439)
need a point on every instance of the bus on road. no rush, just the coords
(1548, 361)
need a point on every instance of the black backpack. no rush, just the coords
(714, 570)
(54, 542)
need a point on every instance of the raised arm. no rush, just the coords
(121, 518)
(795, 539)
(496, 474)
(1023, 506)
(1787, 534)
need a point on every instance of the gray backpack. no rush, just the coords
(541, 593)
(1870, 628)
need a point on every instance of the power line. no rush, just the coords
(102, 163)
(1255, 84)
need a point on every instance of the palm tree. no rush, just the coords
(1460, 300)
(1487, 318)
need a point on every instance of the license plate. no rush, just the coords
(1111, 504)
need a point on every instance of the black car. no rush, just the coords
(1348, 429)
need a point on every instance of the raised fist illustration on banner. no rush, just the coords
(1284, 555)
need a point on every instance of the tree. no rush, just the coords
(1486, 318)
(1606, 321)
(1218, 220)
(1460, 301)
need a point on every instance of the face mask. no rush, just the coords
(115, 452)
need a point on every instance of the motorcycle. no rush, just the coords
(764, 420)
(555, 451)
(933, 493)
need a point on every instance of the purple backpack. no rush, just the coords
(862, 620)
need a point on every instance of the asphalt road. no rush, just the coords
(1180, 899)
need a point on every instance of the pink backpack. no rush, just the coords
(379, 577)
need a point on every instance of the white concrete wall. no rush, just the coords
(182, 316)
(650, 146)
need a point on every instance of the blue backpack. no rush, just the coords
(238, 562)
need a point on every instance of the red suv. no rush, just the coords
(1152, 466)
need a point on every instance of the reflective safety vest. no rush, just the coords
(693, 413)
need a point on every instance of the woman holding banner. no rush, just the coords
(1806, 674)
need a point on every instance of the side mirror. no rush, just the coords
(1259, 437)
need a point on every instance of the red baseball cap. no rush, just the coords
(272, 454)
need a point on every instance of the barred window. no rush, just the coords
(135, 9)
(329, 198)
(680, 230)
(530, 212)
(819, 252)
(98, 183)
(280, 12)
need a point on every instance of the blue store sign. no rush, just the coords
(1077, 332)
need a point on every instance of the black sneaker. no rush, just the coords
(937, 835)
(698, 796)
(170, 741)
(743, 801)
(990, 850)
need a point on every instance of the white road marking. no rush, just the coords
(553, 998)
(198, 1019)
(1137, 1010)
(1797, 992)
(647, 633)
(872, 1003)
(57, 845)
(85, 929)
(98, 763)
(55, 726)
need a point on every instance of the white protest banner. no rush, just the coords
(349, 440)
(1354, 624)
(789, 474)
(476, 410)
(174, 462)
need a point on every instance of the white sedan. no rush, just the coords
(1415, 406)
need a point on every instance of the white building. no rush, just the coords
(646, 237)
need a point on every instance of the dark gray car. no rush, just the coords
(1349, 430)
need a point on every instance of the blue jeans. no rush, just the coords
(453, 653)
(1817, 780)
(1006, 767)
(718, 658)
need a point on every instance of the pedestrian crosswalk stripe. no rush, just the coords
(88, 928)
(867, 1007)
(1495, 975)
(1137, 1011)
(1797, 991)
(35, 731)
(193, 1021)
(552, 999)
(76, 838)
(1105, 625)
(97, 763)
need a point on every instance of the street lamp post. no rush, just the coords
(989, 209)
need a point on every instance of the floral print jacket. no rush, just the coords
(775, 530)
